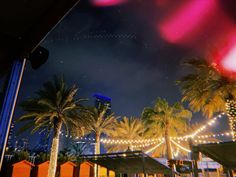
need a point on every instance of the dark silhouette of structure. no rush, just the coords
(23, 28)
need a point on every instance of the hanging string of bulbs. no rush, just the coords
(151, 141)
(231, 112)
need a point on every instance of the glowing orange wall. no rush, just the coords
(112, 174)
(102, 172)
(22, 169)
(67, 169)
(42, 170)
(86, 170)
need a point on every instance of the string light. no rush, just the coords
(142, 143)
(117, 141)
(205, 136)
(206, 142)
(153, 148)
(148, 142)
(199, 130)
(123, 141)
(176, 153)
(181, 138)
(209, 123)
(215, 135)
(181, 147)
(231, 112)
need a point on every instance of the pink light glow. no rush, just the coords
(187, 21)
(105, 3)
(229, 62)
(162, 3)
(225, 58)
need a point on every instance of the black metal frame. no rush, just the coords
(128, 162)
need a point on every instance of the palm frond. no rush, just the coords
(205, 89)
(54, 102)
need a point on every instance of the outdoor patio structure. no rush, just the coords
(223, 153)
(135, 162)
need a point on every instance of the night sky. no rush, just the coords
(117, 51)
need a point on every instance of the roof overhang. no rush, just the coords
(129, 162)
(223, 153)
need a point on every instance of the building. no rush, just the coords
(44, 142)
(11, 137)
(21, 144)
(103, 102)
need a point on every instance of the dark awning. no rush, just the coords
(223, 153)
(129, 162)
(25, 23)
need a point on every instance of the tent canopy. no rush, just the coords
(129, 162)
(223, 153)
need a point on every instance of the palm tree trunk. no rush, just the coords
(167, 141)
(97, 151)
(97, 144)
(54, 151)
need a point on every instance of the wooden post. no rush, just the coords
(230, 172)
(225, 171)
(194, 157)
(144, 170)
(96, 168)
(218, 172)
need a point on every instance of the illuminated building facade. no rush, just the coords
(103, 102)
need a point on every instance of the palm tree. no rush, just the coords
(78, 149)
(99, 122)
(53, 107)
(206, 89)
(73, 152)
(65, 156)
(42, 157)
(128, 129)
(167, 120)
